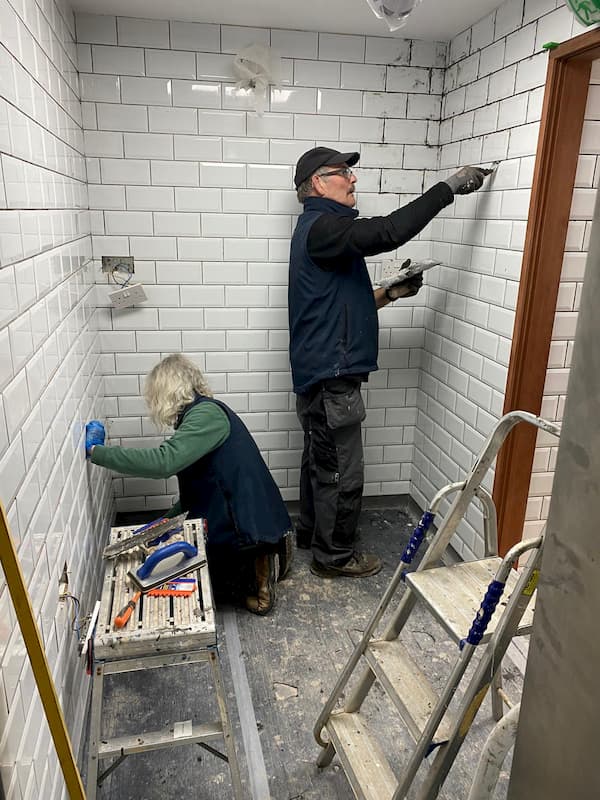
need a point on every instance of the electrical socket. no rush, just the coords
(128, 296)
(110, 263)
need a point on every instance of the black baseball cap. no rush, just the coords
(318, 157)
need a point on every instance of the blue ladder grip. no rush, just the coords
(417, 537)
(484, 615)
(185, 548)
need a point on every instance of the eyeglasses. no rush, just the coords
(345, 172)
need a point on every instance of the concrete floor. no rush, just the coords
(289, 663)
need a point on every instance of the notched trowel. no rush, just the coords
(166, 563)
(156, 531)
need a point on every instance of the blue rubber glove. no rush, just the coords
(94, 434)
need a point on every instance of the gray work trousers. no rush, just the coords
(332, 470)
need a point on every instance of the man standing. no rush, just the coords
(334, 341)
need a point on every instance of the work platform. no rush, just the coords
(162, 632)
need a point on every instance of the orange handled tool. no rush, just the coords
(123, 616)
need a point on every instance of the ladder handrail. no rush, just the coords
(467, 652)
(482, 678)
(457, 510)
(470, 487)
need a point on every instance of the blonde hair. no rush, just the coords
(170, 386)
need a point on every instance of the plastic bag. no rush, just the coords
(394, 12)
(257, 67)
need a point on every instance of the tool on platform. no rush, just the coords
(178, 587)
(166, 563)
(122, 617)
(152, 533)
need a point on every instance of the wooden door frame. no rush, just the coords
(557, 155)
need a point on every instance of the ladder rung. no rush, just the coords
(407, 686)
(156, 740)
(454, 594)
(365, 765)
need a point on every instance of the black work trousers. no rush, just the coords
(332, 470)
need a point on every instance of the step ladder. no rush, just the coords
(464, 599)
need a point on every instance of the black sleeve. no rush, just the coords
(333, 237)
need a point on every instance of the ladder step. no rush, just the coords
(454, 594)
(180, 733)
(365, 765)
(407, 686)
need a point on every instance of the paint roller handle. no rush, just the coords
(122, 617)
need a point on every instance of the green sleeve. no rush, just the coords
(204, 428)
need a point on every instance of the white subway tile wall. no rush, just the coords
(50, 381)
(185, 176)
(491, 110)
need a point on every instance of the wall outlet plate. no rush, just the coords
(128, 296)
(122, 263)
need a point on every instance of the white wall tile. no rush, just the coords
(170, 64)
(172, 120)
(128, 171)
(147, 145)
(408, 79)
(196, 94)
(234, 38)
(142, 32)
(146, 91)
(96, 29)
(387, 51)
(336, 47)
(214, 67)
(170, 173)
(113, 117)
(100, 88)
(317, 73)
(295, 44)
(196, 148)
(222, 174)
(187, 35)
(297, 99)
(116, 60)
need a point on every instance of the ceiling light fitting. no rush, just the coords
(394, 12)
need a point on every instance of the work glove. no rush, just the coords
(467, 179)
(94, 434)
(407, 288)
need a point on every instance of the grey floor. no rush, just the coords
(289, 662)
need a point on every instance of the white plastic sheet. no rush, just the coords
(256, 67)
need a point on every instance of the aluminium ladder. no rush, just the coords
(460, 597)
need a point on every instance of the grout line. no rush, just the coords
(259, 782)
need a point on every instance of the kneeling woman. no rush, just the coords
(222, 477)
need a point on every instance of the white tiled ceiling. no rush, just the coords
(332, 16)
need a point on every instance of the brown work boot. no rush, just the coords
(265, 567)
(359, 566)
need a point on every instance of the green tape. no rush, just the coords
(550, 45)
